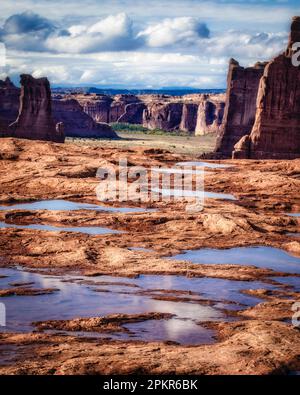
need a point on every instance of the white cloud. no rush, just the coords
(113, 33)
(184, 30)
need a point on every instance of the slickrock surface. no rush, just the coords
(247, 347)
(240, 107)
(266, 192)
(35, 119)
(25, 291)
(110, 323)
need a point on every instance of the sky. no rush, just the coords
(139, 43)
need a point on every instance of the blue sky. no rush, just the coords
(140, 44)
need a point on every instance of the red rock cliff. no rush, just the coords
(35, 121)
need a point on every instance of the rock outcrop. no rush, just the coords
(163, 112)
(118, 107)
(209, 116)
(77, 123)
(164, 116)
(189, 117)
(9, 105)
(35, 121)
(276, 131)
(240, 108)
(97, 107)
(133, 113)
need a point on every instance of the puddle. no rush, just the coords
(66, 205)
(294, 215)
(294, 234)
(204, 164)
(264, 257)
(77, 297)
(293, 282)
(90, 230)
(181, 193)
(177, 171)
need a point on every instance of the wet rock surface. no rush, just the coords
(261, 332)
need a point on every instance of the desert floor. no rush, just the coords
(127, 287)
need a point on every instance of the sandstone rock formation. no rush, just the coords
(240, 108)
(209, 116)
(77, 123)
(189, 117)
(97, 107)
(9, 105)
(159, 111)
(164, 116)
(118, 107)
(35, 121)
(276, 131)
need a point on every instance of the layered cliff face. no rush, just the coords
(9, 105)
(164, 116)
(240, 107)
(77, 123)
(119, 105)
(276, 131)
(35, 119)
(209, 116)
(189, 117)
(168, 113)
(98, 108)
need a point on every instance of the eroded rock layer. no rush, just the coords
(276, 132)
(240, 108)
(76, 122)
(9, 105)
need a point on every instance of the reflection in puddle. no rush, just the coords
(181, 193)
(90, 230)
(294, 215)
(290, 281)
(204, 164)
(77, 298)
(294, 234)
(265, 257)
(66, 205)
(177, 171)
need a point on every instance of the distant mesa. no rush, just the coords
(195, 114)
